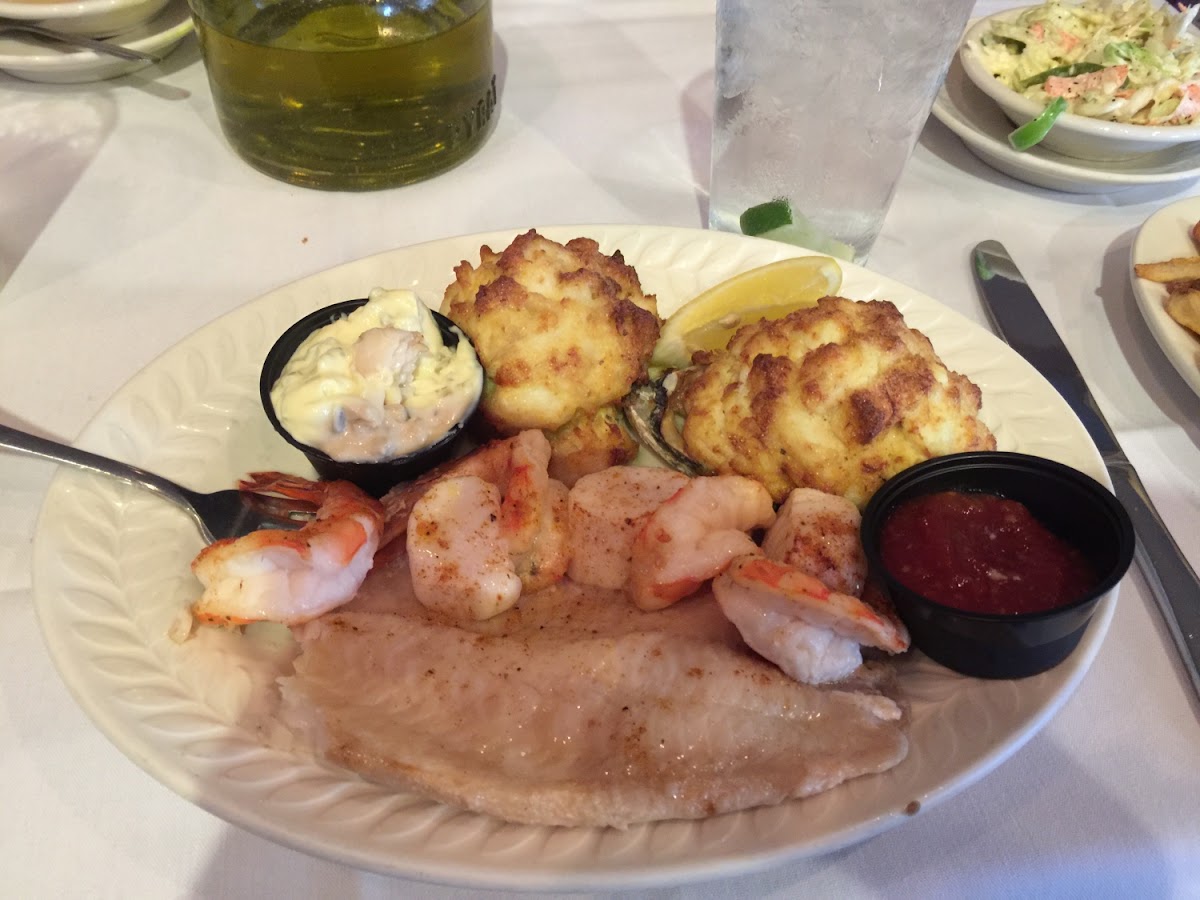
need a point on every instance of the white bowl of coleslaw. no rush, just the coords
(1126, 75)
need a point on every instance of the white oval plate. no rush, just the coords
(35, 60)
(111, 573)
(984, 128)
(1167, 235)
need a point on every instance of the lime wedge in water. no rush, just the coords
(766, 217)
(775, 221)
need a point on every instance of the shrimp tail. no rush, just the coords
(281, 483)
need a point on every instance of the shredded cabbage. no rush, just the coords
(1131, 61)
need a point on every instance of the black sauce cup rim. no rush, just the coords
(285, 346)
(897, 489)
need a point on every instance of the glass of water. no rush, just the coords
(818, 106)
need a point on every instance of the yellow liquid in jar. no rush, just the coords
(350, 96)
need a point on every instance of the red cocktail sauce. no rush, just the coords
(981, 553)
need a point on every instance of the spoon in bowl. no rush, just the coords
(78, 40)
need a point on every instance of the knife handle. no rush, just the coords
(1172, 581)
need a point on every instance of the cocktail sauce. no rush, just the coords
(982, 553)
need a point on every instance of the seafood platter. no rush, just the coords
(611, 622)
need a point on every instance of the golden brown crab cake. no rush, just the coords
(836, 397)
(590, 442)
(562, 331)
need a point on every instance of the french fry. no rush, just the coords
(1184, 268)
(1184, 308)
(1181, 278)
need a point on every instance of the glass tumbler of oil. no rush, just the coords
(350, 94)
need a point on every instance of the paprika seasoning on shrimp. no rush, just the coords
(982, 553)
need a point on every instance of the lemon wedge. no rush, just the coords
(708, 321)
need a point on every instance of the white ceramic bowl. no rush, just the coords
(32, 60)
(1071, 135)
(95, 18)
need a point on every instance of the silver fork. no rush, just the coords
(221, 514)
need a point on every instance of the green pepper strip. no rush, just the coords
(1034, 130)
(1012, 43)
(1068, 71)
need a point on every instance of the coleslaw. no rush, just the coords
(1132, 62)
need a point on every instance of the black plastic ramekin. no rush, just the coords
(376, 478)
(1070, 504)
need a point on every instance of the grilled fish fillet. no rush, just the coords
(575, 708)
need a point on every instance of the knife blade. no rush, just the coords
(1019, 319)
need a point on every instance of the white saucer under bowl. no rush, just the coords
(984, 128)
(95, 18)
(32, 59)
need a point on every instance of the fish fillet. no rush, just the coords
(576, 708)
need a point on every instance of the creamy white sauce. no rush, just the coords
(378, 383)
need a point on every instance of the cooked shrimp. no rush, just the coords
(805, 652)
(530, 515)
(291, 576)
(458, 559)
(811, 632)
(517, 465)
(545, 559)
(694, 536)
(606, 511)
(817, 533)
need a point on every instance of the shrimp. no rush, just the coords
(1188, 108)
(817, 533)
(811, 632)
(459, 563)
(533, 506)
(606, 511)
(517, 465)
(291, 576)
(1105, 81)
(694, 536)
(528, 523)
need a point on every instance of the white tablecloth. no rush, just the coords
(126, 223)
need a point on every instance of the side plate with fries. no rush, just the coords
(1165, 273)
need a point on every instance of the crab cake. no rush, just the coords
(590, 442)
(563, 332)
(836, 397)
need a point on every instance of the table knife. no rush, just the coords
(1020, 320)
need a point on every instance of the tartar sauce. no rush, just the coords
(378, 383)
